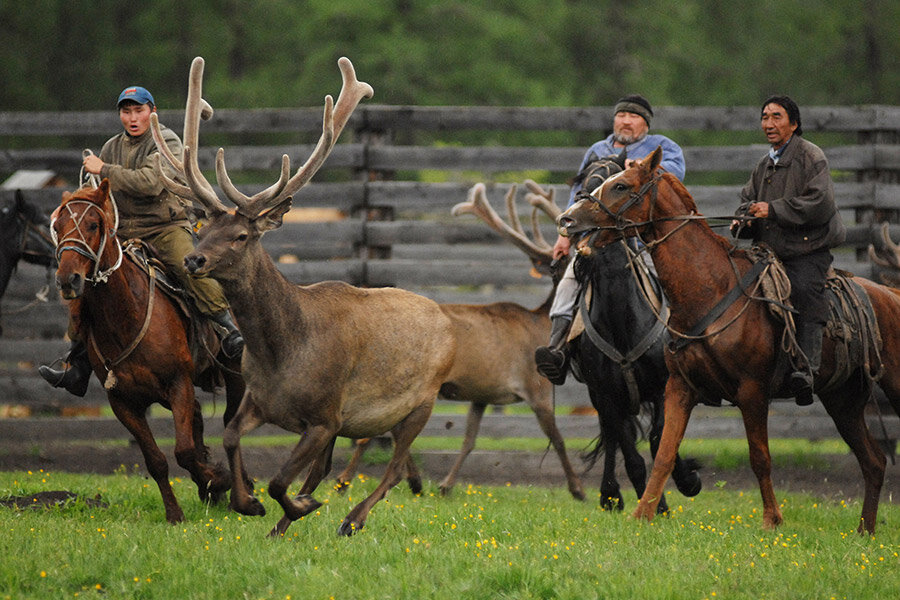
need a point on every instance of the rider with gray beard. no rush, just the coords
(631, 133)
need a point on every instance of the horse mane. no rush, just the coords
(691, 207)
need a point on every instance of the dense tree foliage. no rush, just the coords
(73, 54)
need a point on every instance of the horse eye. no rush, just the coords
(620, 187)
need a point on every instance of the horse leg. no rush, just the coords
(404, 433)
(247, 418)
(547, 421)
(315, 445)
(755, 414)
(635, 466)
(847, 410)
(190, 451)
(135, 421)
(473, 423)
(344, 477)
(679, 402)
(610, 492)
(685, 474)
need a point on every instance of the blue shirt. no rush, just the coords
(672, 155)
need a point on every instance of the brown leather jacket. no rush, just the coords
(146, 208)
(803, 216)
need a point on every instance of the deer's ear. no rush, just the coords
(272, 218)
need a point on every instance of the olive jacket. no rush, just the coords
(803, 215)
(146, 208)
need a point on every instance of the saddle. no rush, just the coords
(851, 321)
(203, 340)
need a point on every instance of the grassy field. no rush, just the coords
(481, 542)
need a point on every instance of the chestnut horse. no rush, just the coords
(735, 357)
(138, 342)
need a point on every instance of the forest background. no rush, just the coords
(77, 55)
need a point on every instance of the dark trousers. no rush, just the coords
(807, 274)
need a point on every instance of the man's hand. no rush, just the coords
(561, 247)
(759, 209)
(92, 164)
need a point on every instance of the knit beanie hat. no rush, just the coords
(637, 104)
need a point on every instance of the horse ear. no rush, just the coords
(651, 163)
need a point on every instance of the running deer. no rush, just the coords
(323, 360)
(494, 361)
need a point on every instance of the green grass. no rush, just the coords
(507, 542)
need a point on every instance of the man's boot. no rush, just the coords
(76, 372)
(553, 359)
(810, 340)
(233, 342)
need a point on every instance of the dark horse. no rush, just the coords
(736, 357)
(620, 357)
(140, 341)
(24, 236)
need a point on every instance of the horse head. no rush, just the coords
(621, 207)
(84, 231)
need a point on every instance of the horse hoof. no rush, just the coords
(415, 485)
(251, 508)
(348, 528)
(612, 502)
(302, 505)
(578, 495)
(341, 486)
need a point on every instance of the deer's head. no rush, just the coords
(230, 233)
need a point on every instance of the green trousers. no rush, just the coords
(172, 246)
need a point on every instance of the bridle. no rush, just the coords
(621, 224)
(75, 239)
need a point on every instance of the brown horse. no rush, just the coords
(138, 342)
(736, 356)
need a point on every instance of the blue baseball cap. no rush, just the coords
(137, 94)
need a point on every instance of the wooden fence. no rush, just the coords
(378, 213)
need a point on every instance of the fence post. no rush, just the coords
(372, 135)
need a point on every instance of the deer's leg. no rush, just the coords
(313, 445)
(404, 433)
(320, 468)
(247, 418)
(679, 402)
(473, 423)
(359, 448)
(547, 421)
(135, 421)
(846, 408)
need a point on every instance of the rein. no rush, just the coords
(626, 361)
(742, 287)
(111, 380)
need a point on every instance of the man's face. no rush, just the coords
(776, 125)
(629, 127)
(135, 118)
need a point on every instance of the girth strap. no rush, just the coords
(721, 306)
(625, 361)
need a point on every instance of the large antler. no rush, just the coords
(889, 254)
(538, 250)
(198, 188)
